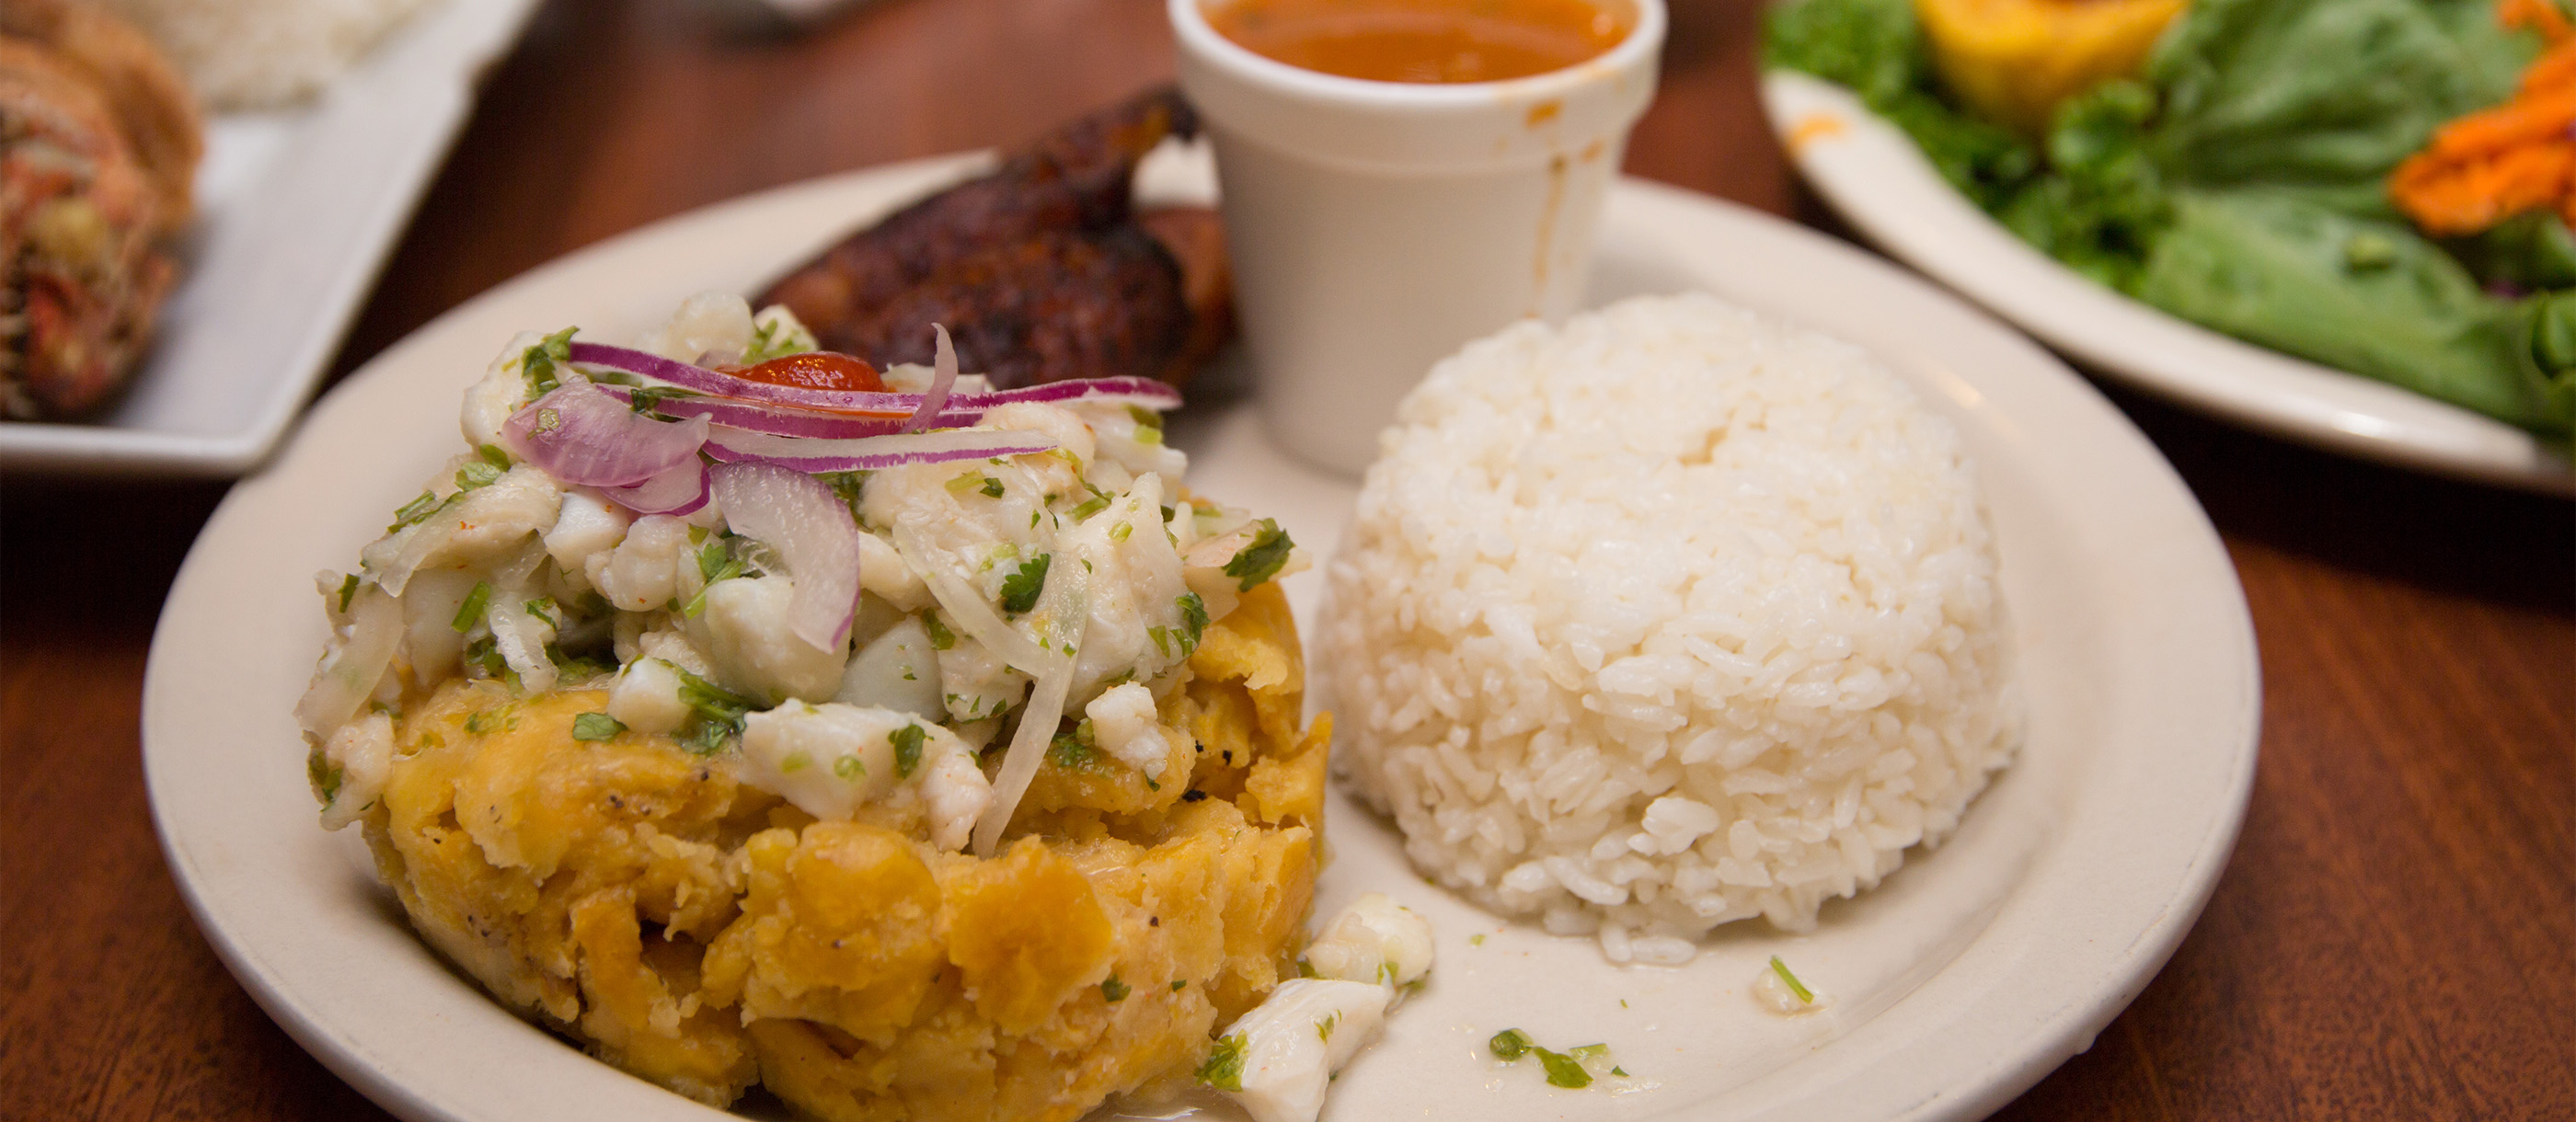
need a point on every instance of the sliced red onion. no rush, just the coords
(775, 420)
(798, 517)
(578, 434)
(703, 380)
(873, 453)
(681, 490)
(943, 377)
(1134, 391)
(1137, 391)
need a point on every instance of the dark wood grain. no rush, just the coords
(2392, 940)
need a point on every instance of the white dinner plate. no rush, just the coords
(296, 210)
(1880, 182)
(1962, 980)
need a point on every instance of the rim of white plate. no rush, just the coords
(1876, 178)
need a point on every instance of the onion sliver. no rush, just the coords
(874, 453)
(703, 380)
(1065, 606)
(349, 673)
(678, 491)
(960, 409)
(966, 608)
(799, 518)
(943, 377)
(776, 420)
(579, 435)
(1134, 391)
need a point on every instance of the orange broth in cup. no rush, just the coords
(1424, 41)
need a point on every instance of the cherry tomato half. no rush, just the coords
(817, 370)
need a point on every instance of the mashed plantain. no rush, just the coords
(942, 773)
(707, 935)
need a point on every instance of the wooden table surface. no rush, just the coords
(2396, 936)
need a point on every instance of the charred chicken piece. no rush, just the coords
(98, 143)
(1041, 270)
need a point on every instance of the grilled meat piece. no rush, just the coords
(1055, 304)
(98, 143)
(1040, 270)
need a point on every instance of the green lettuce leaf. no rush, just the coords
(2364, 295)
(1875, 49)
(2322, 94)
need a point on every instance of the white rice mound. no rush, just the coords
(1671, 617)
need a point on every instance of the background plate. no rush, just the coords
(1963, 979)
(1878, 180)
(297, 209)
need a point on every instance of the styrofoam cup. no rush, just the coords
(1376, 226)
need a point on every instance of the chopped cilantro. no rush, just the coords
(649, 399)
(1261, 560)
(716, 562)
(907, 749)
(538, 363)
(1180, 984)
(940, 637)
(1563, 1070)
(596, 727)
(348, 588)
(577, 668)
(1194, 620)
(776, 336)
(1791, 980)
(1112, 989)
(1324, 1028)
(1224, 1067)
(324, 775)
(485, 654)
(849, 485)
(715, 712)
(470, 612)
(415, 511)
(713, 559)
(849, 767)
(1069, 751)
(992, 487)
(1020, 589)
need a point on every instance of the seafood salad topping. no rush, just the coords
(847, 581)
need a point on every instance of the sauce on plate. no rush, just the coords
(1430, 41)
